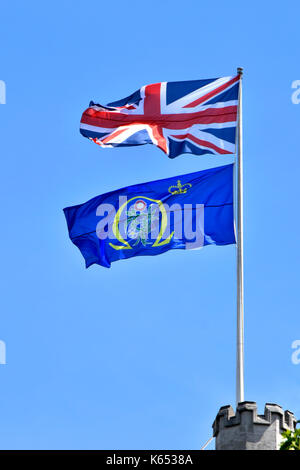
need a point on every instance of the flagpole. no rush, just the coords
(240, 255)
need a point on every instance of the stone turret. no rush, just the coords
(247, 430)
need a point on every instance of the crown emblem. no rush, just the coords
(180, 188)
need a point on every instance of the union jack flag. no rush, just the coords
(198, 116)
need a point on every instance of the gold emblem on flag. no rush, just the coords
(180, 188)
(138, 228)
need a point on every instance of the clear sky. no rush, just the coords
(142, 355)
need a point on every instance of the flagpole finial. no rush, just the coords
(240, 70)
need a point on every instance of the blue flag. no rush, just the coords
(184, 212)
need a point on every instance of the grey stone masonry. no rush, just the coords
(247, 430)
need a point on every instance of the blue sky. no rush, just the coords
(140, 356)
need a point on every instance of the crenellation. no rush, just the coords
(246, 429)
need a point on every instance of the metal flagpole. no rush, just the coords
(240, 255)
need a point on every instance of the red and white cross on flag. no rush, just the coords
(198, 116)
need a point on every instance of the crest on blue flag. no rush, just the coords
(184, 212)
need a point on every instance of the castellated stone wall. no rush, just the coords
(247, 430)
